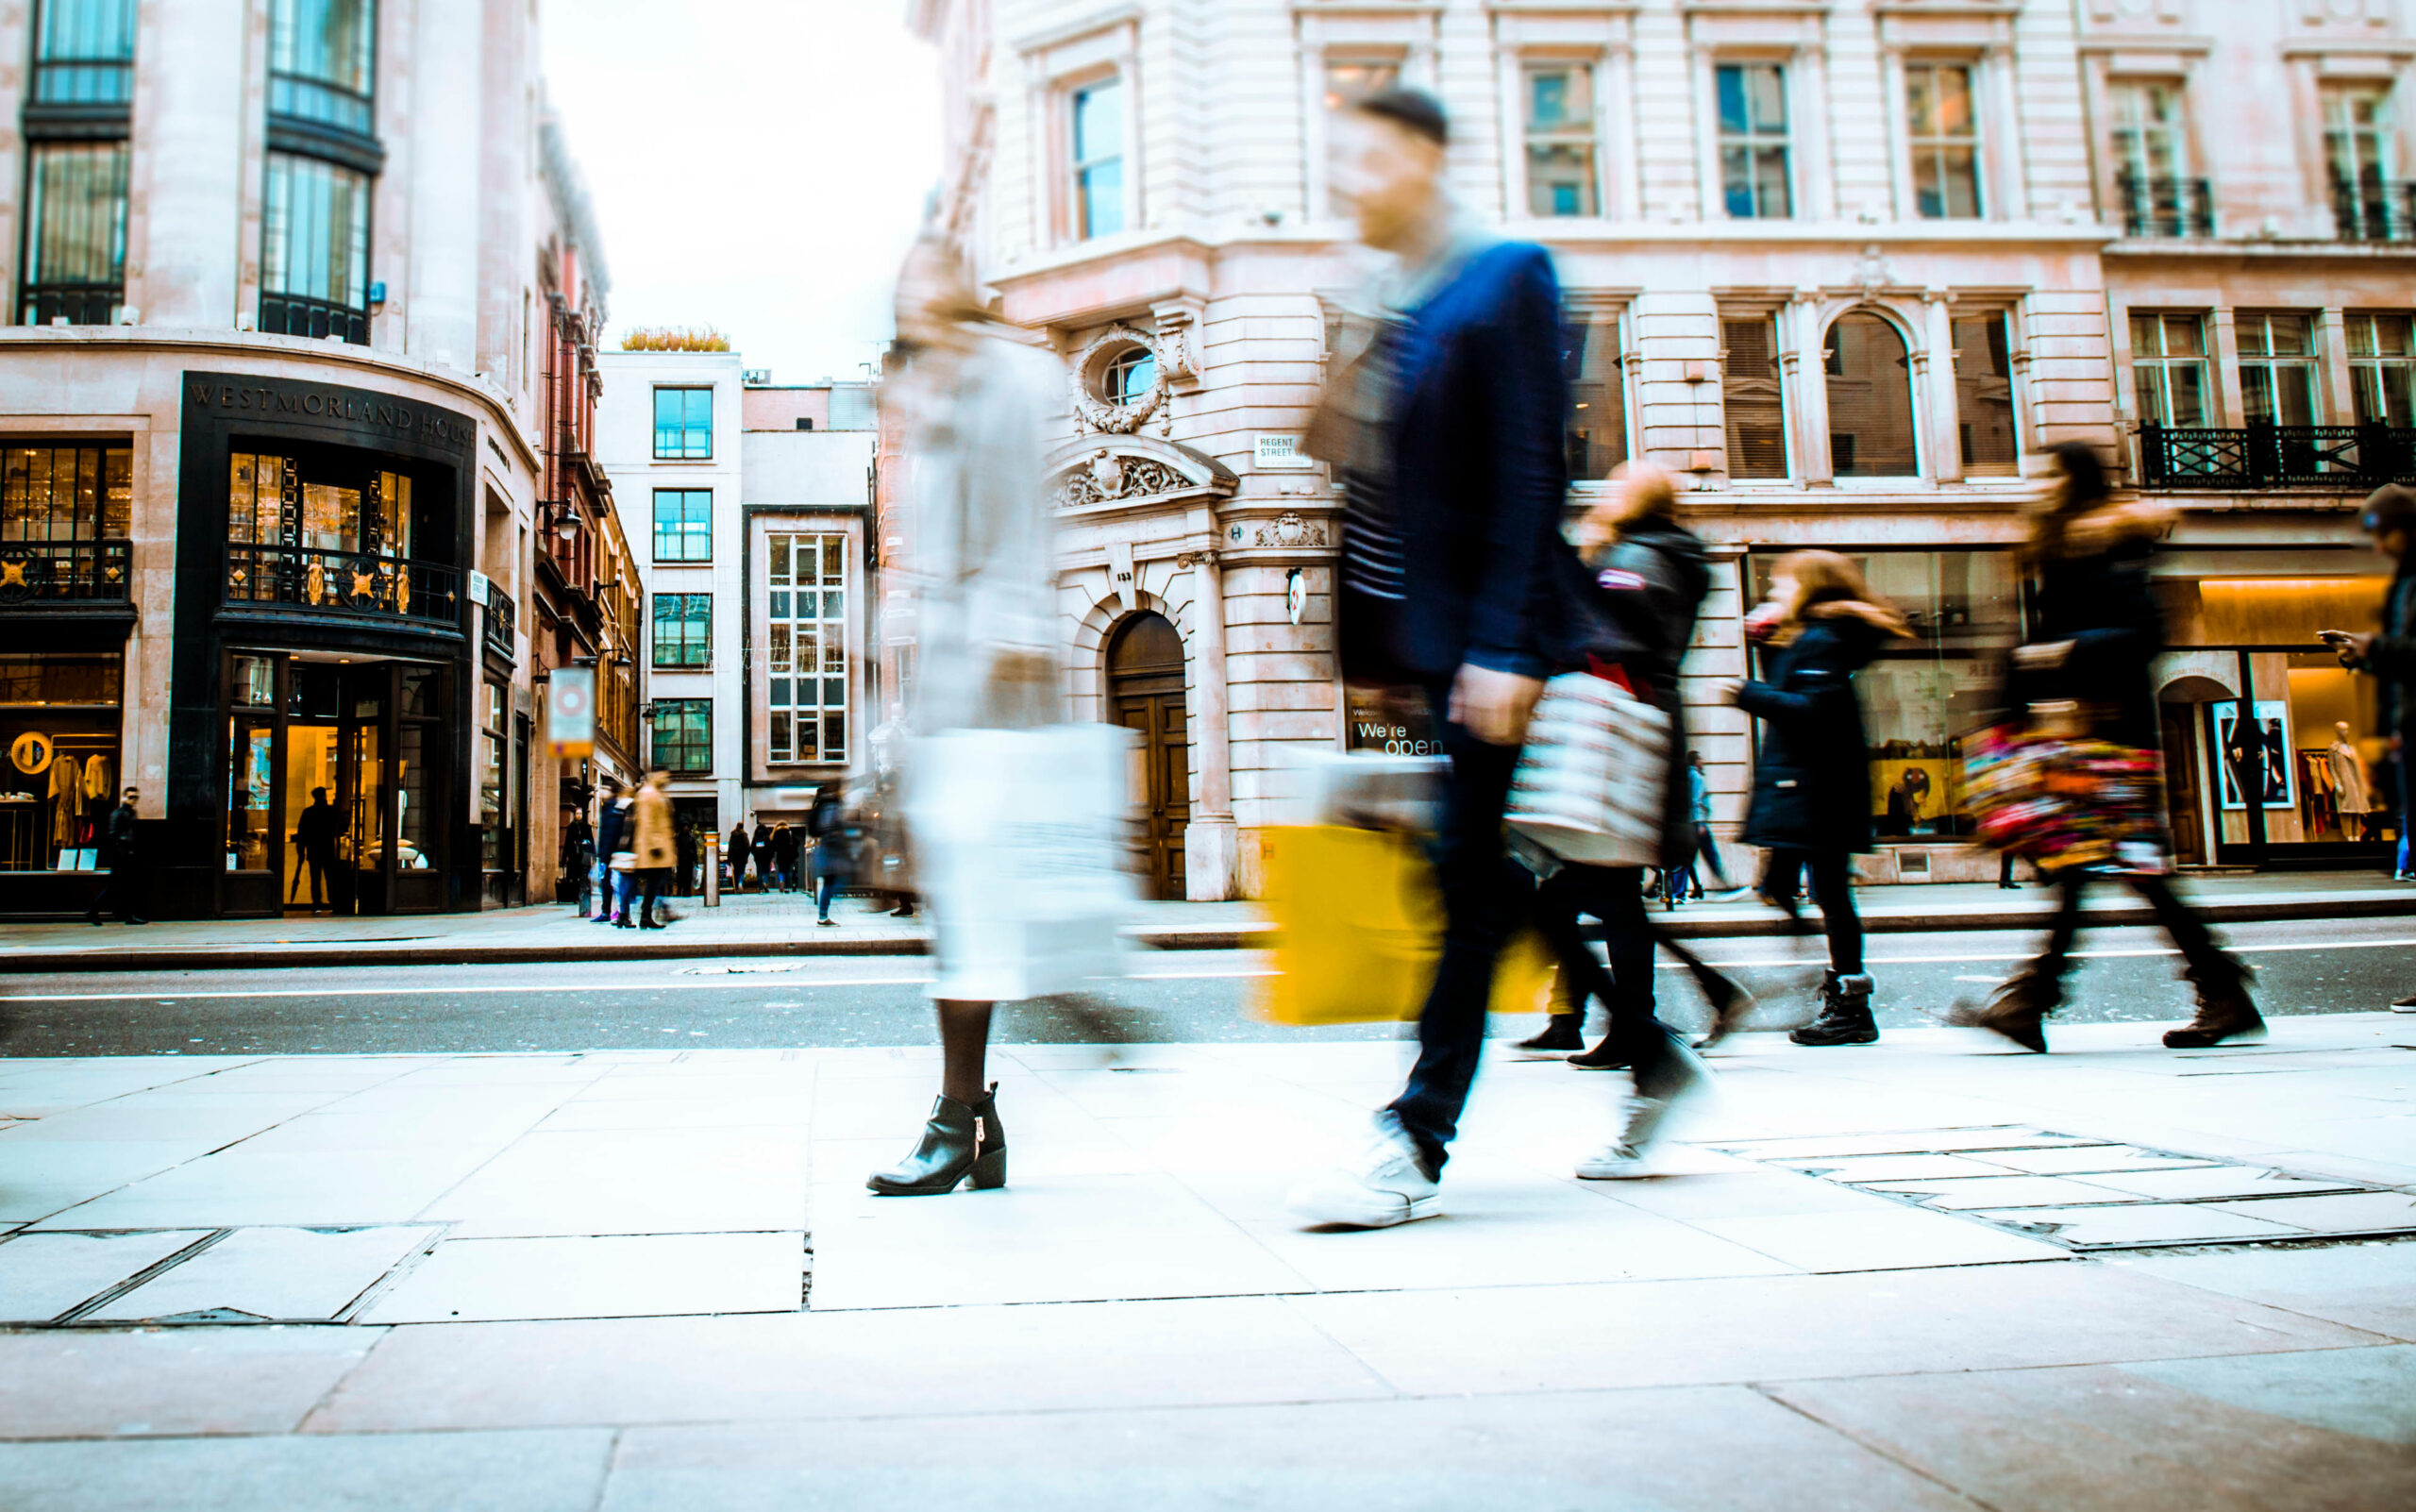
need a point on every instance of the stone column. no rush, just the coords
(1943, 402)
(188, 155)
(446, 125)
(1209, 841)
(1805, 385)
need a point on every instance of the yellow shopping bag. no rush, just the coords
(1358, 930)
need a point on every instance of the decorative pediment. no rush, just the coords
(1123, 469)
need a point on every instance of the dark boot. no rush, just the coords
(1730, 1003)
(1845, 1014)
(2225, 1011)
(2017, 1010)
(1606, 1056)
(1562, 1033)
(961, 1140)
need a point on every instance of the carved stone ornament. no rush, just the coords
(1106, 478)
(1290, 531)
(1090, 363)
(1872, 273)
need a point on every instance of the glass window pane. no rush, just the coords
(1755, 419)
(2185, 336)
(1984, 399)
(2189, 394)
(1871, 399)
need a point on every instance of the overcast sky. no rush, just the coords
(756, 165)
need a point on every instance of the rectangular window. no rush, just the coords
(684, 425)
(1754, 174)
(805, 655)
(2382, 368)
(1097, 142)
(1944, 132)
(1597, 395)
(84, 53)
(1749, 391)
(683, 525)
(314, 251)
(2367, 203)
(74, 233)
(495, 706)
(1560, 140)
(1983, 398)
(2168, 369)
(683, 736)
(1346, 82)
(2151, 129)
(683, 631)
(321, 59)
(2276, 368)
(65, 519)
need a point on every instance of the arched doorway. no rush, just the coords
(1145, 694)
(2180, 706)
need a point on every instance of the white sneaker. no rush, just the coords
(1630, 1154)
(2404, 1005)
(1383, 1185)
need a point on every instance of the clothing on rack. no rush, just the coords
(66, 799)
(2317, 800)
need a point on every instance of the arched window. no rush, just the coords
(1871, 399)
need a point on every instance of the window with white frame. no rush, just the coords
(1348, 80)
(1984, 416)
(2382, 368)
(1094, 152)
(1755, 170)
(2358, 150)
(1754, 405)
(1943, 130)
(1597, 394)
(2168, 369)
(806, 651)
(2276, 368)
(2151, 129)
(1871, 398)
(1559, 103)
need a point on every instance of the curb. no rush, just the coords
(1758, 925)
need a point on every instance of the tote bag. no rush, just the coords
(1591, 783)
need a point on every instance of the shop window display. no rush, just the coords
(59, 722)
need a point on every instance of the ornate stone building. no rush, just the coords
(1848, 265)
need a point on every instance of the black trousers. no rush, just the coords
(122, 891)
(2203, 960)
(1832, 873)
(1614, 895)
(1485, 894)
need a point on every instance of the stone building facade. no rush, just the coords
(274, 408)
(1847, 265)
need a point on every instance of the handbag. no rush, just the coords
(624, 861)
(2064, 799)
(1590, 783)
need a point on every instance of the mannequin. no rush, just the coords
(2349, 779)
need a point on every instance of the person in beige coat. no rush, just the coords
(655, 846)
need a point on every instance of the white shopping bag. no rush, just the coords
(1591, 781)
(1019, 854)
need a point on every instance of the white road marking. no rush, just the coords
(1960, 958)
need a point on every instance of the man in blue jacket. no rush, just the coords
(1453, 555)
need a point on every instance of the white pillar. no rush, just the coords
(446, 125)
(1209, 841)
(189, 153)
(1942, 403)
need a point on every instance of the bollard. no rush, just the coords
(713, 871)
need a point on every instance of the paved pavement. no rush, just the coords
(636, 1280)
(783, 924)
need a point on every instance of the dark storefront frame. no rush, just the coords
(222, 413)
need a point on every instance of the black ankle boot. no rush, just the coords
(959, 1140)
(1845, 1014)
(1562, 1033)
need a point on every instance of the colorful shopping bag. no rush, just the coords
(1358, 930)
(2065, 802)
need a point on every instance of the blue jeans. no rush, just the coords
(827, 890)
(1486, 894)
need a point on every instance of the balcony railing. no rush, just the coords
(55, 570)
(286, 315)
(502, 616)
(78, 304)
(343, 582)
(2167, 207)
(2351, 457)
(2374, 210)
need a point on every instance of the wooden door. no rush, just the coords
(2181, 784)
(1146, 694)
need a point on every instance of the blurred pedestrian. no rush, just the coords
(833, 852)
(1811, 805)
(683, 843)
(734, 856)
(616, 842)
(578, 858)
(2094, 634)
(1450, 427)
(121, 853)
(314, 838)
(656, 848)
(761, 848)
(785, 856)
(2389, 656)
(977, 404)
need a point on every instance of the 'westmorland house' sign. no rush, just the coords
(236, 399)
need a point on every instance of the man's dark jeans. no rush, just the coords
(1485, 894)
(123, 892)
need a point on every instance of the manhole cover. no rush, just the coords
(2089, 1194)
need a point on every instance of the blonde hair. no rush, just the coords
(1823, 577)
(1645, 492)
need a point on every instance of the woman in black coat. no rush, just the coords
(2095, 632)
(1811, 805)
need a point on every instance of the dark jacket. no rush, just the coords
(315, 833)
(2094, 593)
(116, 848)
(736, 854)
(1480, 408)
(2392, 660)
(1635, 607)
(613, 836)
(834, 847)
(1812, 776)
(579, 845)
(784, 846)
